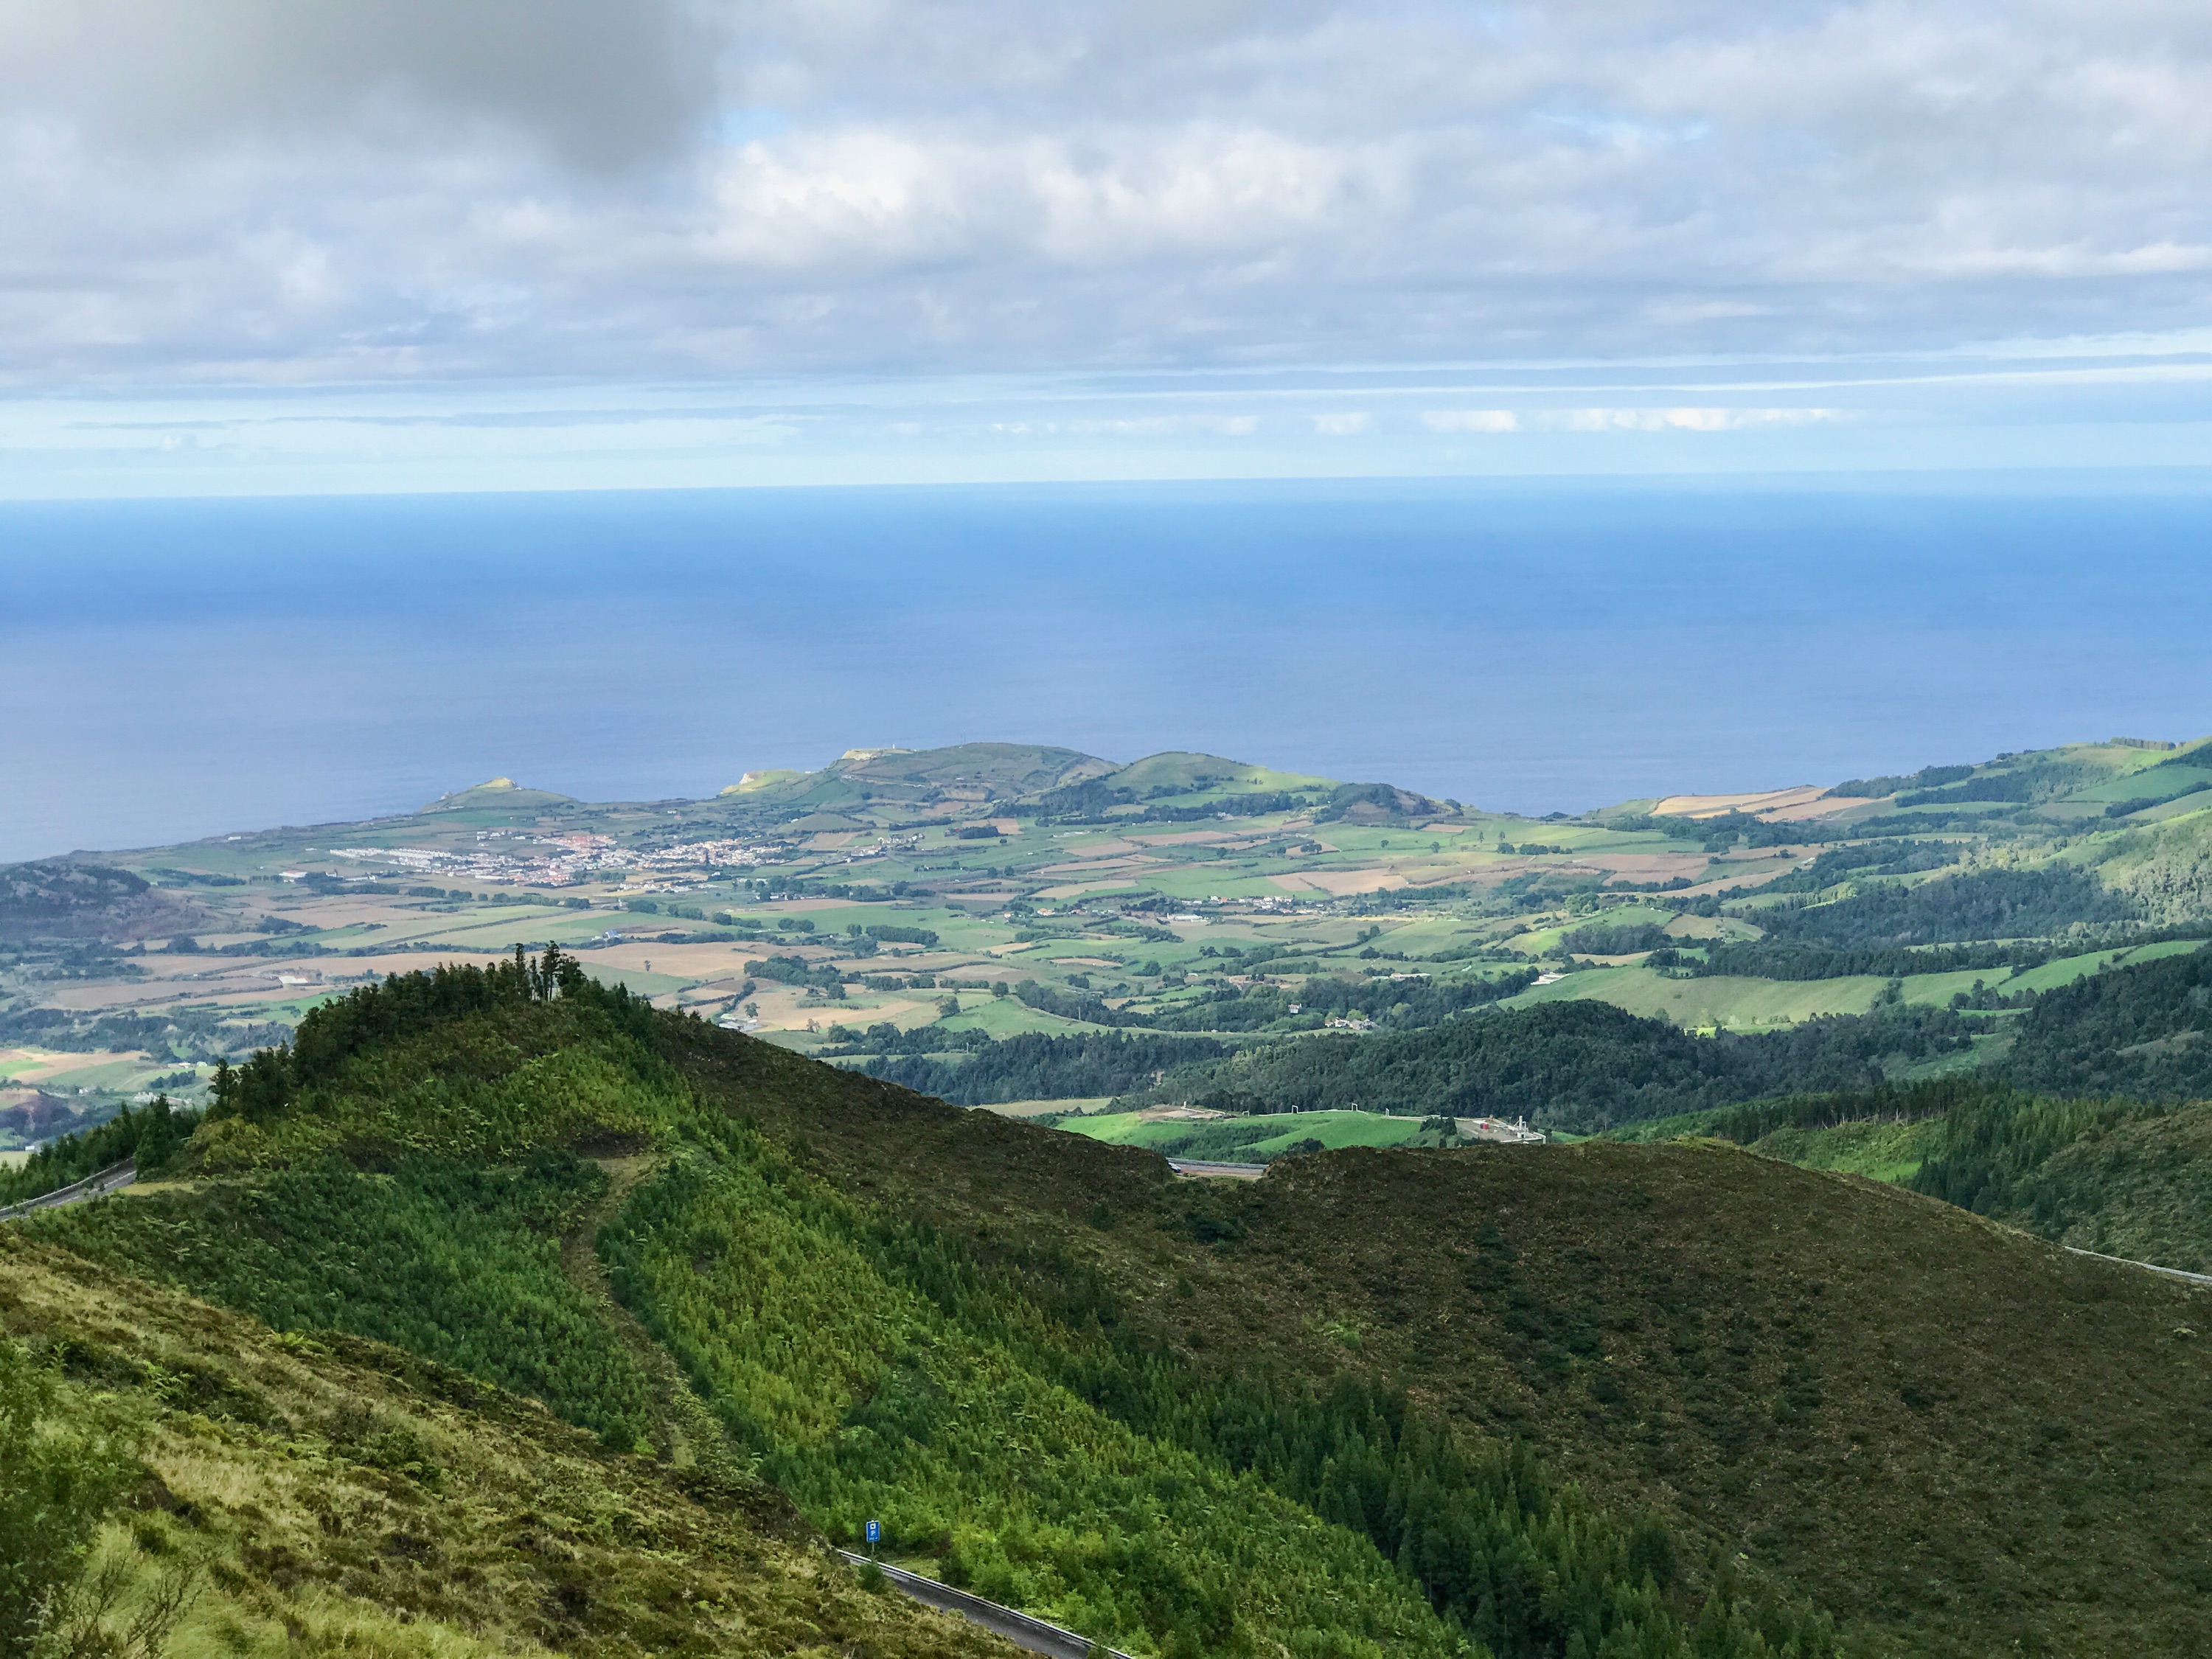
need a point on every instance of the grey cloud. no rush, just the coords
(605, 85)
(315, 189)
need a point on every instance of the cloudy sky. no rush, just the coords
(279, 245)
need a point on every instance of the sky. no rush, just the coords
(272, 246)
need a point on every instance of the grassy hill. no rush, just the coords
(969, 773)
(2124, 1177)
(1667, 1400)
(58, 899)
(324, 1494)
(2120, 1178)
(1887, 1402)
(499, 795)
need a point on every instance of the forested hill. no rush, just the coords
(191, 1481)
(1666, 1400)
(1577, 1066)
(2142, 1032)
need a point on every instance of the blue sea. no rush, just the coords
(177, 669)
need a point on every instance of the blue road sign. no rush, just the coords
(875, 1530)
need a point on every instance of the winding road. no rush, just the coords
(1020, 1628)
(93, 1185)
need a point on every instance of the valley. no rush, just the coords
(1660, 1232)
(894, 910)
(1669, 1398)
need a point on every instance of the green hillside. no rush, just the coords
(2124, 1177)
(499, 795)
(1256, 1139)
(972, 773)
(1697, 1387)
(287, 1492)
(1656, 1399)
(2118, 1177)
(1574, 1064)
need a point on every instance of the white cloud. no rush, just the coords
(1343, 424)
(1684, 420)
(299, 191)
(1471, 420)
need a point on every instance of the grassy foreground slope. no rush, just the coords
(1661, 1400)
(1947, 1430)
(416, 1166)
(329, 1495)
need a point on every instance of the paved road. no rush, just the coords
(2147, 1266)
(1017, 1627)
(106, 1180)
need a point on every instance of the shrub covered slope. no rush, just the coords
(325, 1495)
(1657, 1401)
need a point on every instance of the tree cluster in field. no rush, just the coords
(1576, 1065)
(1928, 777)
(1785, 959)
(1602, 938)
(1982, 905)
(1838, 864)
(796, 970)
(2038, 781)
(1031, 1066)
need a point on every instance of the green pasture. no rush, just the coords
(1730, 1001)
(115, 1074)
(1739, 1003)
(1427, 935)
(2064, 970)
(2144, 783)
(1049, 1108)
(1003, 1017)
(108, 1075)
(1881, 1150)
(639, 982)
(493, 927)
(1253, 1140)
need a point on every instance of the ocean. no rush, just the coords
(186, 668)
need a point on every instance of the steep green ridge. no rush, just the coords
(1942, 1429)
(1987, 904)
(2128, 1178)
(1656, 1399)
(989, 1400)
(2115, 1176)
(455, 1260)
(327, 1495)
(2144, 1031)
